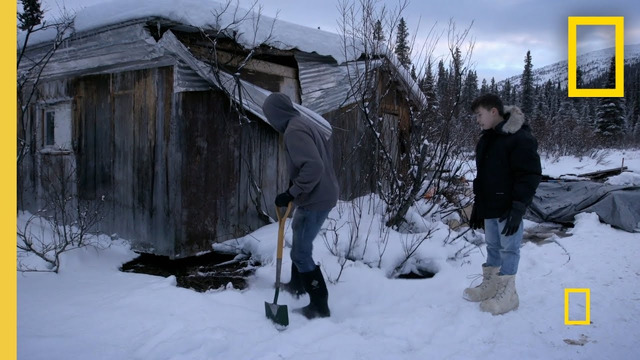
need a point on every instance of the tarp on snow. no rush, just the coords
(618, 206)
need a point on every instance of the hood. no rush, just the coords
(279, 109)
(514, 120)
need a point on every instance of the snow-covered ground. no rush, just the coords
(90, 310)
(599, 160)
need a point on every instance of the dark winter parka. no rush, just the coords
(508, 166)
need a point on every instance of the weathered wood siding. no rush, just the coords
(224, 160)
(127, 151)
(357, 157)
(354, 154)
(395, 107)
(178, 170)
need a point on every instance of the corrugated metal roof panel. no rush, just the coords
(125, 48)
(326, 86)
(252, 96)
(185, 79)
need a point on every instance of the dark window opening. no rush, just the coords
(50, 128)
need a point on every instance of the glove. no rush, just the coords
(475, 222)
(283, 200)
(513, 217)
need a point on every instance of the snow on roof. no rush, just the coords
(405, 75)
(253, 31)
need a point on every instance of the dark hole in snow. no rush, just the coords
(418, 274)
(200, 273)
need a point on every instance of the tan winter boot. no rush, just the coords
(487, 289)
(506, 298)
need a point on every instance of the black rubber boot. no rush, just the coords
(318, 295)
(295, 286)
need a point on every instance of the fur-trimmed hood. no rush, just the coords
(513, 120)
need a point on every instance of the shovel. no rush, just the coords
(278, 313)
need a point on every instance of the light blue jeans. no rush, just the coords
(306, 225)
(502, 251)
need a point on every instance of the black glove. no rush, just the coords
(475, 222)
(283, 200)
(513, 218)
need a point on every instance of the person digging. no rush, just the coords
(313, 190)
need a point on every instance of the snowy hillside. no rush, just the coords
(593, 64)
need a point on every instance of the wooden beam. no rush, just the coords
(604, 173)
(258, 65)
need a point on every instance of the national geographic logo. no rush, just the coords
(618, 23)
(587, 319)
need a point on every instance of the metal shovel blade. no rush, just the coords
(277, 313)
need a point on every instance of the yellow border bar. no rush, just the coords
(618, 23)
(8, 28)
(587, 320)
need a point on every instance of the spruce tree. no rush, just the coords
(514, 95)
(610, 114)
(505, 94)
(493, 88)
(378, 33)
(566, 126)
(540, 114)
(31, 15)
(456, 71)
(428, 87)
(635, 117)
(442, 84)
(470, 89)
(579, 78)
(402, 46)
(484, 88)
(527, 85)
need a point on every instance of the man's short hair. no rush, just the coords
(488, 101)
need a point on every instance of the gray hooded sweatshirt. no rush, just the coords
(309, 156)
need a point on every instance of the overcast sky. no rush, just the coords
(503, 30)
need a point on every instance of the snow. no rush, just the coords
(200, 13)
(596, 161)
(626, 178)
(90, 310)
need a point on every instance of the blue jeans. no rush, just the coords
(306, 225)
(502, 251)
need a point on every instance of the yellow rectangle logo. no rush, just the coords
(618, 23)
(587, 320)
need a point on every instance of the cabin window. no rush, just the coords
(56, 127)
(49, 125)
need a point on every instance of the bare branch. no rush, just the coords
(68, 218)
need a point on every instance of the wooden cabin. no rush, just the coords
(179, 149)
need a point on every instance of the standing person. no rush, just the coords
(509, 172)
(313, 188)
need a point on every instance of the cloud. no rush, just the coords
(591, 38)
(503, 29)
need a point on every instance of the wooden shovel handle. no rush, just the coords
(286, 214)
(281, 221)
